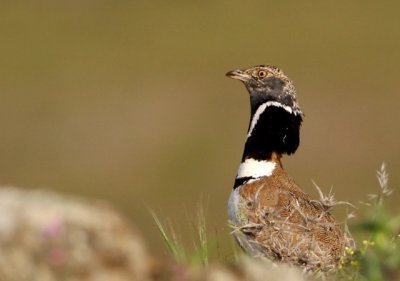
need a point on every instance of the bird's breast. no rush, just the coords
(236, 211)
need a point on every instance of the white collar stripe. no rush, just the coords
(255, 169)
(262, 108)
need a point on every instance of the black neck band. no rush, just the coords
(276, 130)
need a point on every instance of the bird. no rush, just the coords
(270, 215)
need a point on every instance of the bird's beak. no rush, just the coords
(238, 74)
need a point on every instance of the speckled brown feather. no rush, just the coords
(284, 223)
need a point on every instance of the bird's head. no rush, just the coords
(267, 83)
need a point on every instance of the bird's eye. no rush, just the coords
(262, 73)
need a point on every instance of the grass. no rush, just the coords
(377, 254)
(175, 247)
(202, 243)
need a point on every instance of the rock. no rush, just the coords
(45, 236)
(246, 269)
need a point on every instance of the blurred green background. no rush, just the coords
(127, 100)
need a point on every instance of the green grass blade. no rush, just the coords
(174, 247)
(202, 245)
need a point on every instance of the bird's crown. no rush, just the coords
(258, 73)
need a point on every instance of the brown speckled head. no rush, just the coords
(267, 83)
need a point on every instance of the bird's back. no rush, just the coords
(276, 219)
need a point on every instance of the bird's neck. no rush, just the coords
(272, 128)
(273, 131)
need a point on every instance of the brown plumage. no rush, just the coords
(282, 222)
